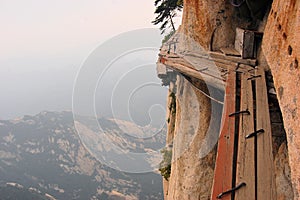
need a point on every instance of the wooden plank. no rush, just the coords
(207, 66)
(212, 56)
(181, 64)
(266, 188)
(220, 60)
(230, 51)
(248, 51)
(218, 55)
(221, 63)
(224, 161)
(207, 57)
(239, 40)
(188, 70)
(245, 158)
(214, 67)
(244, 43)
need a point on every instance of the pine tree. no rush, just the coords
(166, 10)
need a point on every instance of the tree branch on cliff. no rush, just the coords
(166, 10)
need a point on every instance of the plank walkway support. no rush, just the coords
(182, 66)
(265, 163)
(224, 161)
(208, 68)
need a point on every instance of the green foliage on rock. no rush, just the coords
(165, 165)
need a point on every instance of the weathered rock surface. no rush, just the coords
(209, 22)
(282, 171)
(207, 25)
(282, 50)
(191, 175)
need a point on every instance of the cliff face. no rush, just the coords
(212, 25)
(203, 20)
(209, 24)
(190, 174)
(282, 50)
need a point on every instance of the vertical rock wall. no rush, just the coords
(281, 46)
(282, 169)
(191, 176)
(209, 22)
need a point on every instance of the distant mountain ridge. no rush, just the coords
(45, 152)
(11, 191)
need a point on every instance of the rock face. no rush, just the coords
(209, 25)
(282, 171)
(282, 50)
(191, 174)
(209, 22)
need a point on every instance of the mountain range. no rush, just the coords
(43, 157)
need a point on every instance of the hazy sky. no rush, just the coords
(43, 43)
(40, 27)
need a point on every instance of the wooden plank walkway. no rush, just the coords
(265, 163)
(209, 68)
(246, 156)
(241, 160)
(230, 52)
(254, 162)
(223, 169)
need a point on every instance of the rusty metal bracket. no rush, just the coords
(240, 112)
(231, 190)
(250, 70)
(253, 77)
(255, 133)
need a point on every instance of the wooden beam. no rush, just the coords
(224, 161)
(218, 55)
(218, 59)
(213, 68)
(226, 64)
(187, 69)
(245, 158)
(214, 56)
(204, 68)
(230, 51)
(266, 188)
(239, 40)
(248, 51)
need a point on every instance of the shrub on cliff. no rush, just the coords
(165, 164)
